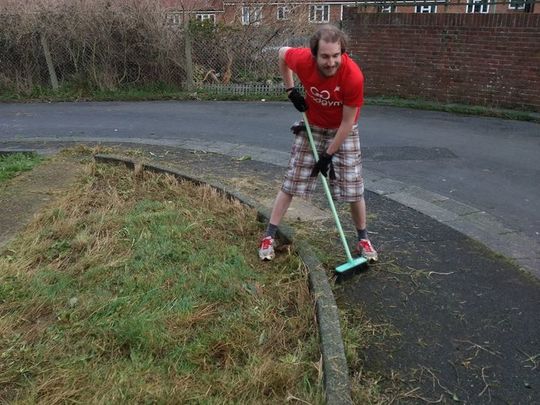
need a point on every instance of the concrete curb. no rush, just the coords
(335, 370)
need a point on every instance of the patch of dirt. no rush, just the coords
(23, 196)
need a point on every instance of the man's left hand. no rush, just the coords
(325, 166)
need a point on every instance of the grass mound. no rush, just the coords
(149, 290)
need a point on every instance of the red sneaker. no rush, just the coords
(266, 249)
(365, 248)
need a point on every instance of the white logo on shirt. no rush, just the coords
(325, 94)
(323, 97)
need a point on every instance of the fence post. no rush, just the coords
(188, 49)
(50, 67)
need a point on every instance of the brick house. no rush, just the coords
(203, 10)
(261, 12)
(256, 12)
(449, 7)
(264, 12)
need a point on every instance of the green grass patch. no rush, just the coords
(13, 164)
(82, 92)
(153, 92)
(454, 108)
(144, 290)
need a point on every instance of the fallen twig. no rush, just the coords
(486, 386)
(440, 274)
(496, 354)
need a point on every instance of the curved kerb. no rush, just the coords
(335, 369)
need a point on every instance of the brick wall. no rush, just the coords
(491, 60)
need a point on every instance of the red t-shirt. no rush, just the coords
(326, 96)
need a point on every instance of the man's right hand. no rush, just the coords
(297, 99)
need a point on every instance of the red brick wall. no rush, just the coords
(489, 59)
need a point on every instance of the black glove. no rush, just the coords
(297, 99)
(324, 165)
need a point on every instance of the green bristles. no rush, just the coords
(350, 265)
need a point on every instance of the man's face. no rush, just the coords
(328, 58)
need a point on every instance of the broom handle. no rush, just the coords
(327, 191)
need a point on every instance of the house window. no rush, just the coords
(283, 12)
(251, 15)
(426, 9)
(319, 13)
(206, 17)
(387, 9)
(517, 4)
(478, 6)
(174, 18)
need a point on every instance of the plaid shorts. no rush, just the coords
(348, 185)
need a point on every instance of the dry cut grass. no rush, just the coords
(146, 290)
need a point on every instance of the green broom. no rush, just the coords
(352, 263)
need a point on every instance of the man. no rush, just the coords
(334, 85)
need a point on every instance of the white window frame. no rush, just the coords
(516, 5)
(387, 9)
(174, 18)
(477, 7)
(425, 9)
(206, 17)
(283, 13)
(251, 15)
(319, 13)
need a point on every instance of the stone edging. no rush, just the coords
(335, 369)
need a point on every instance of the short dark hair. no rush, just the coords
(328, 33)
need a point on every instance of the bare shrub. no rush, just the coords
(103, 45)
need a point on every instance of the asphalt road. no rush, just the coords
(488, 163)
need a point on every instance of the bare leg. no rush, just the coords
(281, 205)
(358, 213)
